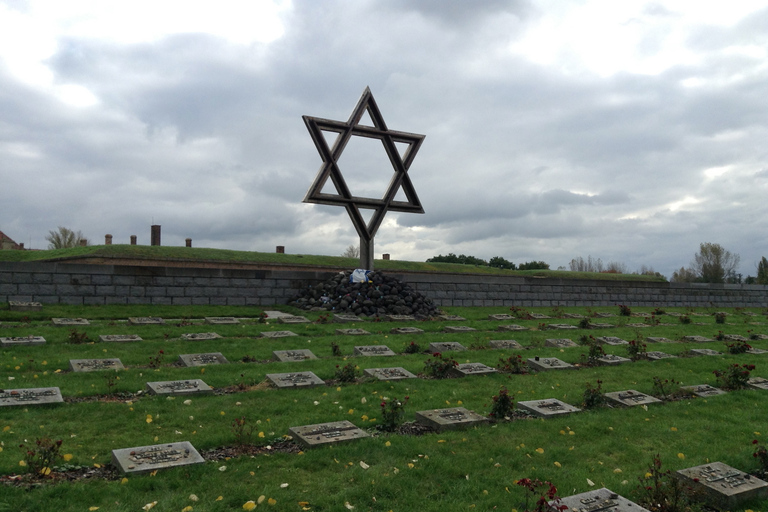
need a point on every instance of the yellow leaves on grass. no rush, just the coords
(91, 509)
(272, 501)
(149, 506)
(681, 456)
(558, 465)
(188, 508)
(387, 444)
(123, 481)
(539, 450)
(67, 457)
(149, 418)
(673, 429)
(249, 505)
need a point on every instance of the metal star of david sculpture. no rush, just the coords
(330, 169)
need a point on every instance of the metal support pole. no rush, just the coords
(366, 253)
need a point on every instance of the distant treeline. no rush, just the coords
(496, 261)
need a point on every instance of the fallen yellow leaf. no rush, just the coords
(249, 505)
(272, 501)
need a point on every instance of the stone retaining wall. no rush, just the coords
(67, 283)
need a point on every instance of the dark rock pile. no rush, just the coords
(382, 296)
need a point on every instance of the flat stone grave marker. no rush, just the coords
(179, 387)
(399, 318)
(547, 408)
(724, 486)
(502, 316)
(92, 365)
(657, 339)
(756, 351)
(512, 328)
(696, 339)
(575, 316)
(19, 305)
(639, 326)
(464, 369)
(295, 380)
(642, 315)
(406, 330)
(704, 390)
(445, 346)
(276, 314)
(30, 396)
(287, 356)
(539, 316)
(458, 329)
(560, 343)
(548, 363)
(451, 318)
(735, 337)
(655, 355)
(705, 352)
(675, 314)
(758, 383)
(352, 332)
(613, 360)
(221, 320)
(200, 336)
(601, 326)
(293, 320)
(22, 340)
(603, 315)
(277, 334)
(346, 319)
(561, 327)
(598, 500)
(145, 320)
(631, 398)
(373, 350)
(324, 433)
(759, 336)
(119, 338)
(389, 373)
(505, 344)
(202, 359)
(449, 419)
(69, 322)
(612, 340)
(144, 459)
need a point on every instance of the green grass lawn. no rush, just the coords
(474, 469)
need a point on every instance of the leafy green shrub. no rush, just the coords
(156, 361)
(547, 492)
(412, 348)
(624, 310)
(666, 388)
(761, 454)
(335, 350)
(513, 364)
(720, 317)
(392, 413)
(685, 320)
(503, 405)
(593, 396)
(41, 458)
(738, 347)
(734, 377)
(661, 491)
(439, 366)
(636, 349)
(242, 430)
(347, 373)
(78, 337)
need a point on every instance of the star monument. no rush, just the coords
(330, 169)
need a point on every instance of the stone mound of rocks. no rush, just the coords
(384, 295)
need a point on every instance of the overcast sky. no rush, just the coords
(631, 131)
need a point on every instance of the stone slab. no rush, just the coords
(758, 336)
(202, 359)
(704, 390)
(735, 337)
(446, 346)
(574, 316)
(612, 360)
(630, 398)
(293, 320)
(450, 419)
(705, 352)
(560, 343)
(221, 320)
(539, 316)
(69, 322)
(93, 365)
(451, 318)
(373, 350)
(655, 355)
(458, 329)
(389, 373)
(399, 318)
(696, 339)
(200, 336)
(119, 338)
(611, 340)
(288, 356)
(30, 396)
(295, 380)
(276, 314)
(722, 485)
(547, 408)
(603, 315)
(325, 433)
(561, 327)
(144, 459)
(502, 316)
(464, 369)
(406, 330)
(14, 341)
(657, 339)
(352, 332)
(346, 319)
(757, 351)
(179, 387)
(757, 383)
(548, 363)
(601, 326)
(277, 334)
(19, 305)
(512, 328)
(145, 320)
(597, 500)
(505, 344)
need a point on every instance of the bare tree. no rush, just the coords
(64, 238)
(714, 264)
(353, 251)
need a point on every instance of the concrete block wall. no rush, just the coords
(66, 283)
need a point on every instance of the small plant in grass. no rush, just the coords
(335, 350)
(636, 349)
(665, 388)
(652, 320)
(156, 361)
(412, 348)
(347, 373)
(520, 313)
(661, 491)
(720, 336)
(392, 414)
(323, 319)
(593, 396)
(110, 379)
(439, 366)
(503, 405)
(513, 364)
(624, 310)
(249, 359)
(243, 431)
(584, 323)
(262, 318)
(658, 312)
(720, 317)
(78, 337)
(734, 377)
(242, 383)
(761, 454)
(737, 347)
(557, 312)
(546, 492)
(595, 352)
(41, 457)
(685, 319)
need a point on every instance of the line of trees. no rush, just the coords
(612, 267)
(496, 261)
(64, 238)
